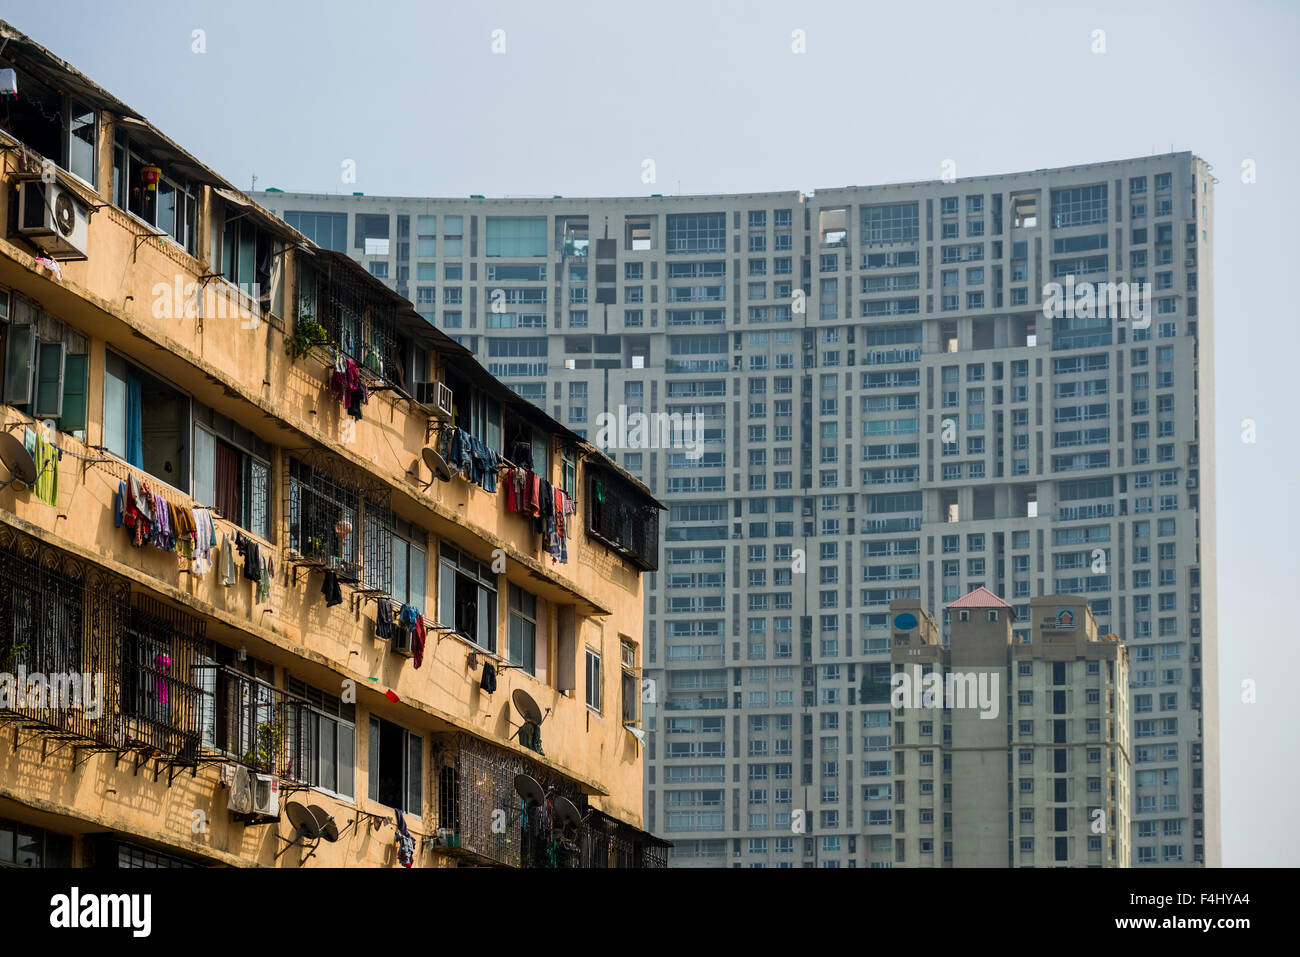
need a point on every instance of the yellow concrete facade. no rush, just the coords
(123, 303)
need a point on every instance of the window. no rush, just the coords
(396, 767)
(523, 629)
(631, 683)
(60, 127)
(232, 470)
(331, 743)
(156, 442)
(595, 695)
(697, 232)
(516, 237)
(40, 374)
(467, 597)
(327, 230)
(1079, 206)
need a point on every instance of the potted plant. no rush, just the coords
(307, 335)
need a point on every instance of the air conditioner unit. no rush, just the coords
(254, 796)
(436, 395)
(402, 642)
(54, 219)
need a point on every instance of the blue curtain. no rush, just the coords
(134, 425)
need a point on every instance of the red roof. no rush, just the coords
(980, 598)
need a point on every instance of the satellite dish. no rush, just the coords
(437, 465)
(526, 706)
(17, 460)
(567, 812)
(304, 820)
(529, 790)
(324, 822)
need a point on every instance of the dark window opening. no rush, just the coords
(396, 767)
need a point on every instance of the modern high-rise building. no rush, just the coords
(896, 402)
(1008, 753)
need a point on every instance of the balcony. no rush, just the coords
(617, 519)
(129, 674)
(475, 783)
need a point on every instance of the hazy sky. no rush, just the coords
(714, 94)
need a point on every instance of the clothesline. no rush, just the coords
(123, 471)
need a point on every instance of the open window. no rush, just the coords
(46, 368)
(58, 126)
(157, 194)
(571, 235)
(467, 597)
(595, 693)
(232, 470)
(396, 765)
(832, 225)
(251, 259)
(372, 233)
(146, 422)
(631, 683)
(637, 236)
(1024, 210)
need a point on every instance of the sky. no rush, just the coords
(569, 98)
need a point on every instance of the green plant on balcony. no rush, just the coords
(262, 755)
(307, 335)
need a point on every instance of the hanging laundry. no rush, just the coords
(252, 555)
(227, 562)
(162, 531)
(405, 842)
(205, 536)
(163, 663)
(330, 589)
(383, 618)
(138, 510)
(346, 386)
(471, 457)
(264, 585)
(489, 680)
(417, 641)
(533, 495)
(45, 455)
(185, 531)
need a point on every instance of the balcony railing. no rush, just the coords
(250, 722)
(615, 518)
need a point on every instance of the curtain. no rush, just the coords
(134, 422)
(226, 485)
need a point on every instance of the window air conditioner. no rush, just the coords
(402, 642)
(436, 396)
(54, 219)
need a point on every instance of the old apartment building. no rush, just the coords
(287, 578)
(892, 408)
(1018, 754)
